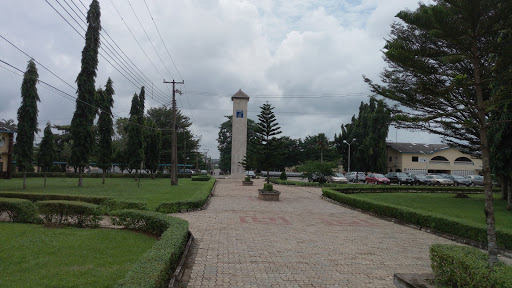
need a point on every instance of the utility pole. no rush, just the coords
(174, 152)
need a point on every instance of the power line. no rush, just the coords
(138, 85)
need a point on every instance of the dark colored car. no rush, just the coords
(399, 178)
(376, 178)
(459, 180)
(421, 179)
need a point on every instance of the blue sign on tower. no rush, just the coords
(239, 113)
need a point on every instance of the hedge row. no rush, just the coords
(461, 266)
(74, 213)
(174, 207)
(303, 184)
(155, 267)
(201, 178)
(436, 222)
(19, 210)
(108, 203)
(100, 175)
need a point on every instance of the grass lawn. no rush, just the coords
(34, 256)
(470, 209)
(151, 191)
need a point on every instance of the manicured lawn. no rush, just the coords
(34, 256)
(151, 191)
(470, 209)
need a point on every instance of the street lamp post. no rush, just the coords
(345, 141)
(426, 160)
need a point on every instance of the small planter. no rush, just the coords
(268, 195)
(247, 183)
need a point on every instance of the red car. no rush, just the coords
(375, 178)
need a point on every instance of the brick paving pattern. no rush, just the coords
(300, 241)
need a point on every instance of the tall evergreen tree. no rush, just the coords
(46, 153)
(370, 128)
(105, 127)
(27, 120)
(153, 146)
(83, 118)
(135, 144)
(266, 141)
(441, 71)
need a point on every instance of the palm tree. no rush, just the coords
(322, 144)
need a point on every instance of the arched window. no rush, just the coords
(463, 161)
(439, 158)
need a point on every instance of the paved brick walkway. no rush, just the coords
(300, 241)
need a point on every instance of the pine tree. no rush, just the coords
(105, 127)
(266, 142)
(85, 112)
(27, 120)
(46, 153)
(135, 144)
(440, 72)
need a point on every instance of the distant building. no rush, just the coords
(430, 158)
(6, 149)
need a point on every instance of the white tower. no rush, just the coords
(239, 133)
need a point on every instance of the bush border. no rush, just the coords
(187, 206)
(19, 210)
(154, 268)
(437, 223)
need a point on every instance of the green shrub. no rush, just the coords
(114, 204)
(440, 223)
(70, 212)
(461, 266)
(247, 179)
(201, 178)
(100, 175)
(44, 197)
(283, 176)
(155, 266)
(19, 210)
(174, 207)
(268, 187)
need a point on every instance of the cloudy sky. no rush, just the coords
(306, 57)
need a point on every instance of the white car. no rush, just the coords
(337, 178)
(250, 174)
(439, 180)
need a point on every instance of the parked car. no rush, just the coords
(337, 178)
(459, 180)
(250, 174)
(399, 178)
(420, 179)
(185, 171)
(476, 180)
(376, 178)
(317, 177)
(439, 180)
(205, 172)
(355, 177)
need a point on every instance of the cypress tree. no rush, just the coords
(135, 147)
(153, 146)
(27, 120)
(85, 112)
(46, 154)
(105, 127)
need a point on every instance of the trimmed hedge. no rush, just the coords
(174, 207)
(19, 210)
(268, 187)
(201, 178)
(304, 184)
(436, 222)
(155, 267)
(100, 175)
(108, 203)
(461, 266)
(70, 212)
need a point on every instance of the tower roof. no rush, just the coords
(240, 95)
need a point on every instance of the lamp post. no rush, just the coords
(345, 141)
(426, 160)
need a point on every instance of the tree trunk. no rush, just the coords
(103, 181)
(44, 178)
(24, 179)
(504, 184)
(509, 193)
(80, 179)
(492, 246)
